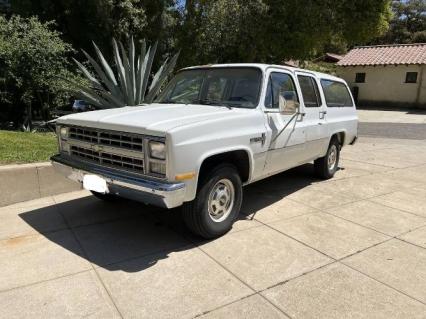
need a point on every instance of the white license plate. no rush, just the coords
(95, 183)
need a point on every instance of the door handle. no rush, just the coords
(322, 114)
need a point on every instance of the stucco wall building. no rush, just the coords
(390, 75)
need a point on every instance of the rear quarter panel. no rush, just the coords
(341, 119)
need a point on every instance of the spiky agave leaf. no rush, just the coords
(141, 79)
(120, 69)
(159, 80)
(132, 74)
(105, 64)
(130, 86)
(109, 84)
(112, 99)
(140, 72)
(84, 92)
(126, 73)
(150, 61)
(157, 76)
(92, 96)
(88, 75)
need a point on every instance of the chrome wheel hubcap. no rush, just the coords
(332, 157)
(221, 200)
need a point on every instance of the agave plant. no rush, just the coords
(130, 85)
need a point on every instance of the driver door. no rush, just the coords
(286, 135)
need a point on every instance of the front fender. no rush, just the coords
(192, 145)
(224, 150)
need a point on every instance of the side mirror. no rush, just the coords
(287, 103)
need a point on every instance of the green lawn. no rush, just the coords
(20, 147)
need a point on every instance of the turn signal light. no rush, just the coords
(186, 176)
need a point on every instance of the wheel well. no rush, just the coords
(340, 137)
(239, 159)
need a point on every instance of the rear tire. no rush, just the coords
(217, 204)
(326, 167)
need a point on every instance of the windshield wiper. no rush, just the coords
(215, 102)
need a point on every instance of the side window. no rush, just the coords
(336, 94)
(280, 84)
(411, 77)
(360, 78)
(309, 91)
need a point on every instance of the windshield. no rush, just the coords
(231, 87)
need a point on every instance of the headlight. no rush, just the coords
(63, 131)
(157, 150)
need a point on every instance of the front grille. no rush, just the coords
(120, 150)
(109, 159)
(107, 138)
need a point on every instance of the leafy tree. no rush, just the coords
(222, 30)
(408, 24)
(84, 21)
(274, 30)
(33, 59)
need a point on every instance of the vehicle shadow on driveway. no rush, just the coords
(271, 190)
(131, 236)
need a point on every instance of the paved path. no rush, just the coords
(354, 246)
(393, 130)
(412, 116)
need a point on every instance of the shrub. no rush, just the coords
(33, 64)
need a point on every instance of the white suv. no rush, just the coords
(212, 130)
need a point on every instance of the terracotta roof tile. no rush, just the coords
(386, 55)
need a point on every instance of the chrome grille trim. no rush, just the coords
(108, 159)
(107, 149)
(108, 138)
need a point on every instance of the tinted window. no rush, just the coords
(309, 91)
(280, 84)
(336, 94)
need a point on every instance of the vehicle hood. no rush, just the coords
(156, 119)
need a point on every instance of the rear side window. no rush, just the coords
(309, 91)
(336, 94)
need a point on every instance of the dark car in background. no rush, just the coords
(81, 106)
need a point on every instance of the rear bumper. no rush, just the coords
(167, 195)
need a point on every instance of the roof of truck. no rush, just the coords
(264, 67)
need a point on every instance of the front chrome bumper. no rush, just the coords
(162, 194)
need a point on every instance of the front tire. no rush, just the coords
(327, 166)
(217, 204)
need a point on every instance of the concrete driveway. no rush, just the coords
(351, 247)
